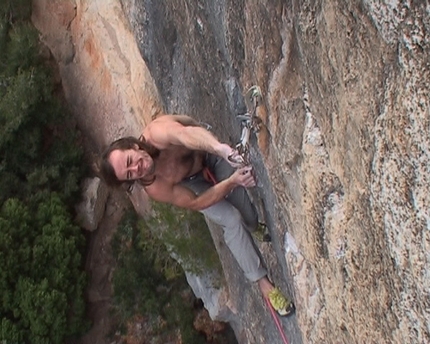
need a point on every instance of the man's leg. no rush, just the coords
(239, 240)
(236, 236)
(238, 197)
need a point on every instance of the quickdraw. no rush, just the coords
(250, 122)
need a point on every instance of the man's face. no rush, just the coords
(131, 164)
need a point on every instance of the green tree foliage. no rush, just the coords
(15, 10)
(41, 281)
(135, 279)
(41, 276)
(38, 150)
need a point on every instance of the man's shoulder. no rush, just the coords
(161, 123)
(156, 132)
(154, 124)
(162, 119)
(184, 120)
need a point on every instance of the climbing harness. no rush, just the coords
(209, 176)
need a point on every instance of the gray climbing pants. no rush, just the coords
(235, 214)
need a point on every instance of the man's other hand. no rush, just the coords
(244, 177)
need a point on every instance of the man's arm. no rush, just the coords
(168, 130)
(186, 120)
(181, 196)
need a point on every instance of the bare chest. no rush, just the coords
(177, 163)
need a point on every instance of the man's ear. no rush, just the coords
(95, 167)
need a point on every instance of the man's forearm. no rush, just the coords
(213, 195)
(197, 138)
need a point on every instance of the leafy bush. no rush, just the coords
(186, 236)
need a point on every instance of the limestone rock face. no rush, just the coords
(342, 161)
(109, 87)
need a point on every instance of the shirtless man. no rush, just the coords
(181, 163)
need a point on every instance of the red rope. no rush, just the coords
(277, 322)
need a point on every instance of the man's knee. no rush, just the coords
(250, 220)
(226, 215)
(231, 218)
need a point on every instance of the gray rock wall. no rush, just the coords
(346, 149)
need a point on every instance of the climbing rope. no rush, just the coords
(276, 320)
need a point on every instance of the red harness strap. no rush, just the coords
(208, 175)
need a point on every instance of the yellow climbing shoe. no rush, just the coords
(280, 303)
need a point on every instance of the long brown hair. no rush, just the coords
(105, 168)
